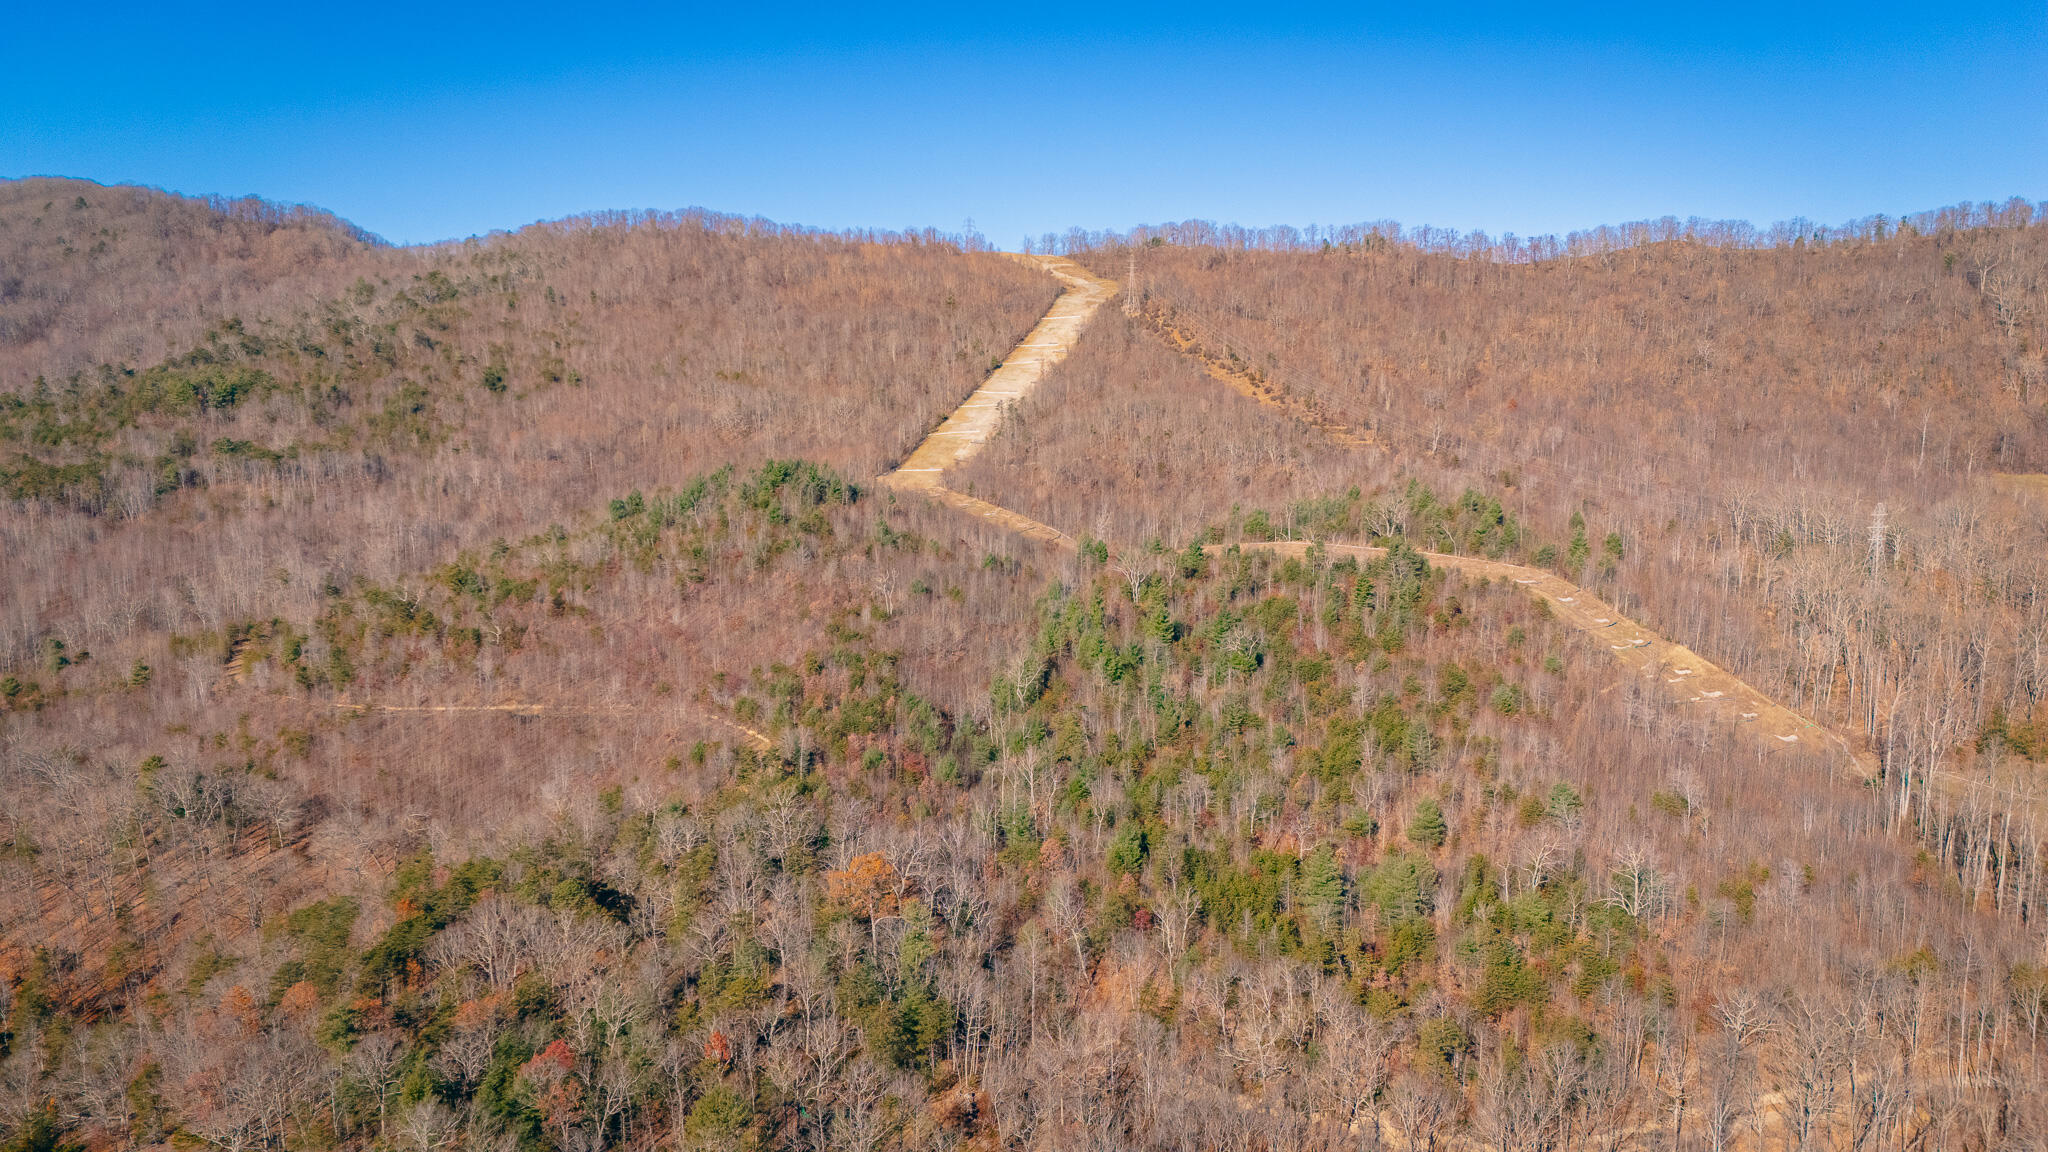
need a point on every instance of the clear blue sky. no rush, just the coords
(428, 122)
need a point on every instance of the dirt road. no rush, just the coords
(759, 740)
(1684, 675)
(1693, 681)
(970, 425)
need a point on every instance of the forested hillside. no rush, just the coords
(95, 273)
(1821, 454)
(478, 697)
(478, 391)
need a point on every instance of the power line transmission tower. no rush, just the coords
(1131, 285)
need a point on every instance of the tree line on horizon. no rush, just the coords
(558, 743)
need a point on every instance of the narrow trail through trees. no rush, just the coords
(759, 740)
(1251, 383)
(1685, 675)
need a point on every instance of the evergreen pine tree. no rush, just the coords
(1428, 828)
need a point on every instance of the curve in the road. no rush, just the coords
(969, 427)
(1685, 675)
